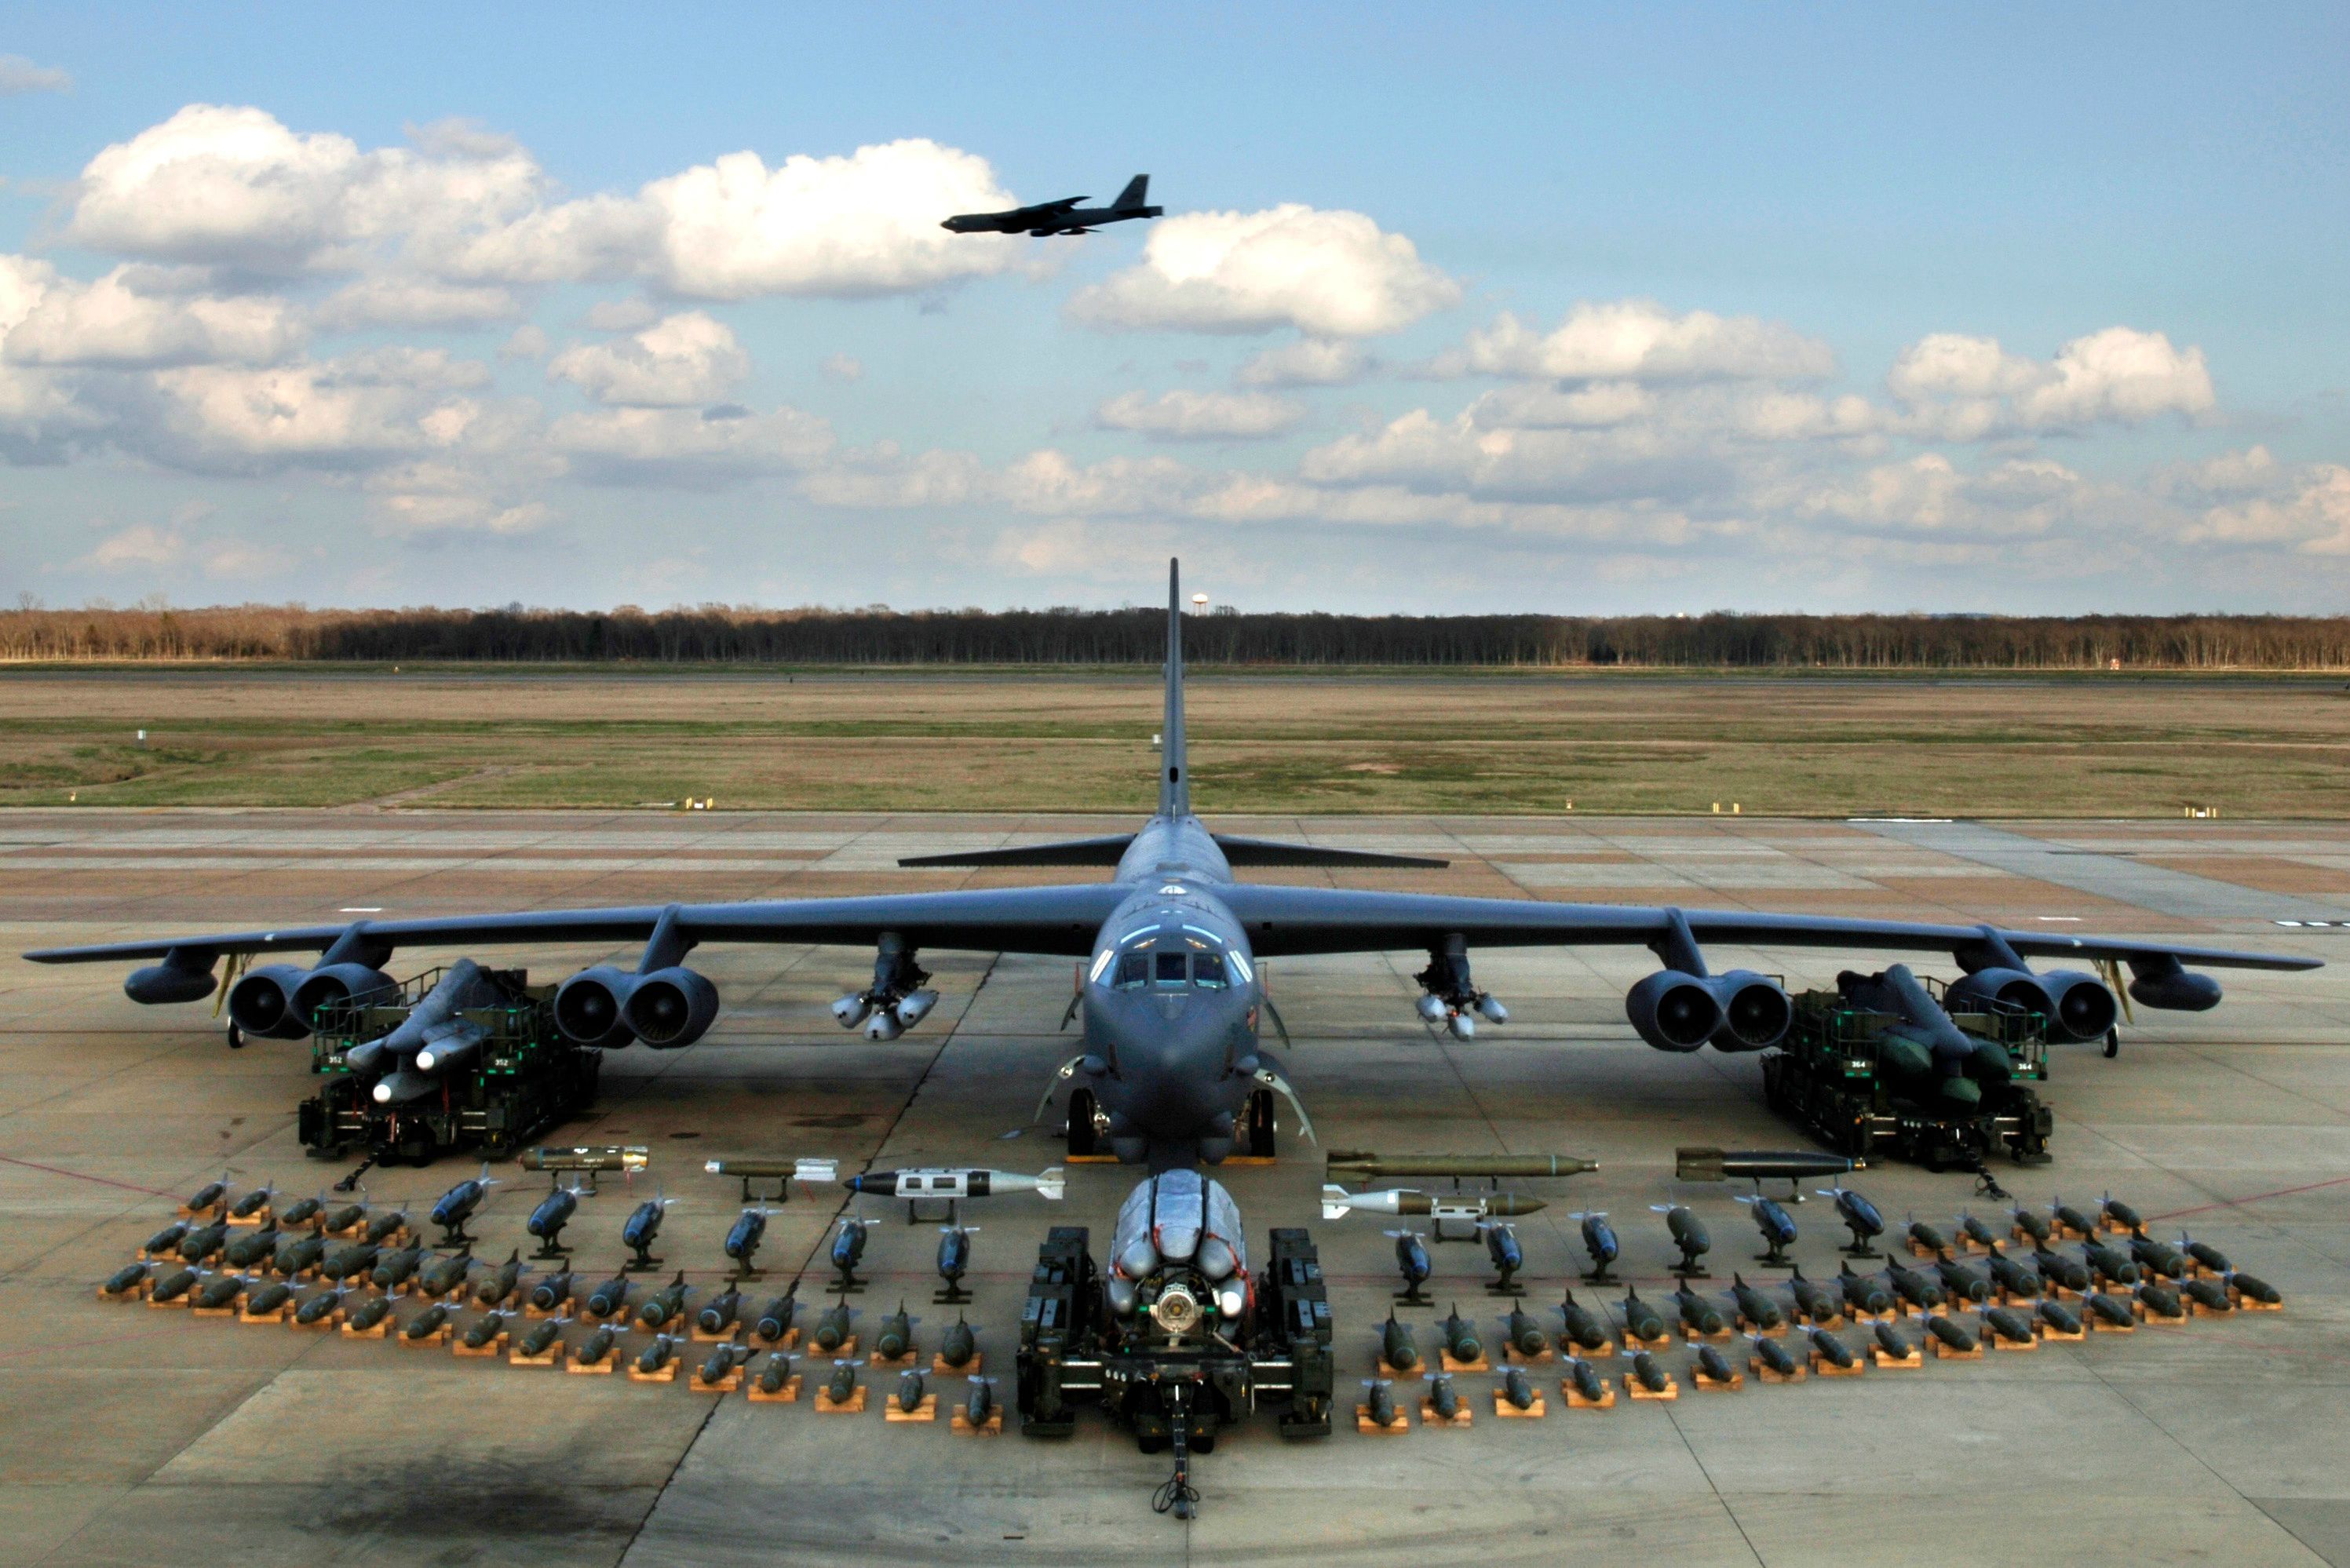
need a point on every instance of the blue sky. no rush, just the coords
(1490, 308)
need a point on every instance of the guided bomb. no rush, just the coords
(1689, 1234)
(775, 1319)
(1812, 1302)
(427, 1322)
(895, 1338)
(457, 1205)
(1461, 1341)
(296, 1254)
(500, 1283)
(832, 1329)
(368, 1314)
(637, 1231)
(249, 1248)
(552, 1291)
(1586, 1380)
(1581, 1326)
(1754, 1306)
(595, 1347)
(1773, 1355)
(446, 1276)
(1963, 1284)
(1641, 1321)
(1526, 1337)
(610, 1297)
(1518, 1389)
(959, 1346)
(775, 1374)
(1650, 1371)
(301, 1211)
(1397, 1346)
(1698, 1316)
(742, 1237)
(1777, 1227)
(1860, 1217)
(663, 1304)
(546, 1221)
(1599, 1241)
(393, 1270)
(717, 1313)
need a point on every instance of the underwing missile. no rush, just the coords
(938, 1181)
(168, 1239)
(1650, 1371)
(1689, 1234)
(170, 1287)
(1599, 1241)
(776, 1372)
(960, 1346)
(1461, 1341)
(1396, 1344)
(1697, 1164)
(1811, 1301)
(842, 1387)
(262, 1301)
(393, 1270)
(1927, 1052)
(1641, 1321)
(1754, 1306)
(1714, 1365)
(1464, 1209)
(1582, 1328)
(462, 987)
(125, 1280)
(427, 1322)
(402, 1087)
(1518, 1388)
(1832, 1351)
(1586, 1380)
(1360, 1166)
(1772, 1355)
(1527, 1333)
(776, 1317)
(368, 1314)
(296, 1253)
(657, 1354)
(717, 1313)
(1698, 1316)
(500, 1283)
(664, 1304)
(1443, 1398)
(832, 1329)
(445, 1276)
(552, 1291)
(1962, 1283)
(596, 1346)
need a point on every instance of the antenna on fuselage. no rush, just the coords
(1175, 778)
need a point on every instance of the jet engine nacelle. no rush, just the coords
(670, 1007)
(2158, 983)
(275, 1001)
(2076, 1005)
(588, 1006)
(1755, 1011)
(170, 981)
(1673, 1011)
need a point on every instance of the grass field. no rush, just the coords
(1043, 741)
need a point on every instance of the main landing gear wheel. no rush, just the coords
(1081, 1123)
(236, 1039)
(2114, 1042)
(1263, 1122)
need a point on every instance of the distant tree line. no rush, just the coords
(718, 634)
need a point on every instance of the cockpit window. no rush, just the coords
(1208, 969)
(1171, 968)
(1133, 970)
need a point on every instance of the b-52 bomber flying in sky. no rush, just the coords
(1172, 999)
(1062, 217)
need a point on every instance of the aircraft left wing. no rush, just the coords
(1283, 921)
(1054, 921)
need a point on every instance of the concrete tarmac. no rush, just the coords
(142, 1436)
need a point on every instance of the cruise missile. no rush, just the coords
(432, 1028)
(1358, 1165)
(1464, 1208)
(1699, 1163)
(626, 1158)
(1926, 1052)
(917, 1182)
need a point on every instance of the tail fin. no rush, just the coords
(1137, 193)
(1174, 780)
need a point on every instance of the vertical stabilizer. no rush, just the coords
(1135, 194)
(1175, 765)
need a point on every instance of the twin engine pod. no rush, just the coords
(2077, 1006)
(276, 1002)
(609, 1006)
(1740, 1011)
(1178, 1259)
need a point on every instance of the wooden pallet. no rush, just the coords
(381, 1329)
(1716, 1386)
(495, 1345)
(790, 1341)
(1635, 1389)
(1944, 1352)
(253, 1221)
(213, 1210)
(666, 1374)
(726, 1385)
(2000, 1341)
(1388, 1370)
(1918, 1251)
(844, 1351)
(1662, 1341)
(1768, 1376)
(1396, 1428)
(960, 1425)
(551, 1356)
(1516, 1357)
(2104, 1326)
(2246, 1303)
(438, 1336)
(789, 1394)
(2048, 1332)
(178, 1302)
(1721, 1336)
(1604, 1348)
(1509, 1412)
(827, 1405)
(1429, 1417)
(927, 1410)
(968, 1369)
(1452, 1364)
(277, 1313)
(1749, 1326)
(592, 1368)
(211, 1311)
(1575, 1401)
(723, 1336)
(893, 1363)
(1826, 1368)
(1883, 1357)
(317, 1325)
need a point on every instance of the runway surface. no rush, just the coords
(136, 1436)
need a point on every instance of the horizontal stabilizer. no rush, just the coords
(1241, 851)
(1068, 852)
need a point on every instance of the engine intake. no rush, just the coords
(333, 984)
(1755, 1011)
(1673, 1011)
(260, 1004)
(2076, 1005)
(588, 1006)
(670, 1007)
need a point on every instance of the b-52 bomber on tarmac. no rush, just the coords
(1172, 1000)
(1047, 220)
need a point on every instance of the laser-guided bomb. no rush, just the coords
(1599, 1241)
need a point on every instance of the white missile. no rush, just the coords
(934, 1182)
(1463, 1207)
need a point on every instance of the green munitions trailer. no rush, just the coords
(525, 1078)
(1827, 1076)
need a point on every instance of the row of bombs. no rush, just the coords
(2116, 1247)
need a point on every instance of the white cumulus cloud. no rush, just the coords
(681, 361)
(19, 75)
(1183, 415)
(1961, 388)
(1640, 340)
(1308, 362)
(1331, 275)
(61, 322)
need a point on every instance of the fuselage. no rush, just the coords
(1170, 1002)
